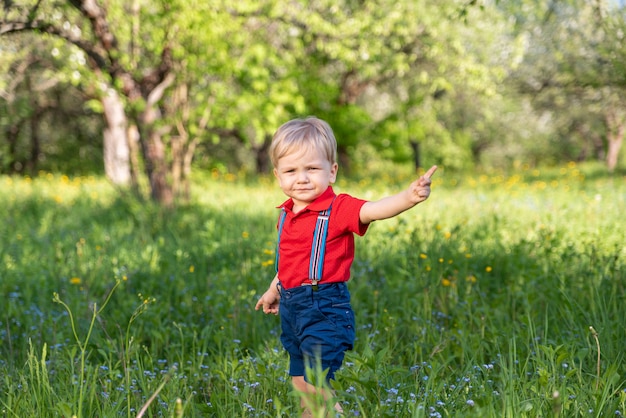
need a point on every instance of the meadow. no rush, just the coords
(501, 296)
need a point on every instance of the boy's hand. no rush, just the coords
(269, 301)
(419, 190)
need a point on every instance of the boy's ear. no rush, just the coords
(275, 171)
(333, 172)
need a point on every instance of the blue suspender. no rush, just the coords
(318, 248)
(281, 221)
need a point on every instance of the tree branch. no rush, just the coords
(45, 27)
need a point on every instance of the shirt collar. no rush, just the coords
(322, 202)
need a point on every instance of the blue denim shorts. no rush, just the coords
(317, 326)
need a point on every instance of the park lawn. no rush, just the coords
(501, 296)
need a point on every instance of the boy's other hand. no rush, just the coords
(269, 302)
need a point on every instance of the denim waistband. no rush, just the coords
(307, 288)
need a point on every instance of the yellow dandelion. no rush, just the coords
(267, 263)
(446, 282)
(245, 235)
(441, 260)
(488, 269)
(76, 280)
(423, 256)
(124, 278)
(468, 255)
(470, 279)
(268, 252)
(447, 235)
(428, 268)
(191, 269)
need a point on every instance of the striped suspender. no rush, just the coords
(281, 221)
(318, 248)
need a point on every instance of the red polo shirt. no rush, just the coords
(297, 238)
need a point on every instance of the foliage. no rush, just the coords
(477, 303)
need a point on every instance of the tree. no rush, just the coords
(573, 69)
(42, 116)
(136, 52)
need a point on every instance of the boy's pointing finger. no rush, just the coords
(430, 172)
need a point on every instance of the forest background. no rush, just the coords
(144, 90)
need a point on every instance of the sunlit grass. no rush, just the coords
(476, 304)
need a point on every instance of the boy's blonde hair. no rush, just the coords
(304, 134)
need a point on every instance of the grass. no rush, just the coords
(479, 303)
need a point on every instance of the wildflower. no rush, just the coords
(470, 279)
(447, 235)
(75, 280)
(470, 402)
(423, 256)
(445, 282)
(245, 235)
(191, 269)
(488, 269)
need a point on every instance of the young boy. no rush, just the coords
(313, 261)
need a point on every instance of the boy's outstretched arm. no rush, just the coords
(391, 206)
(270, 299)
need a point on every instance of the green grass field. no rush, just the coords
(477, 303)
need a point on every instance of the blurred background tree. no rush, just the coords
(142, 90)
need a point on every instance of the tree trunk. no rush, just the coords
(616, 127)
(116, 141)
(35, 145)
(415, 145)
(262, 156)
(615, 144)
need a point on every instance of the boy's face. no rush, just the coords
(304, 176)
